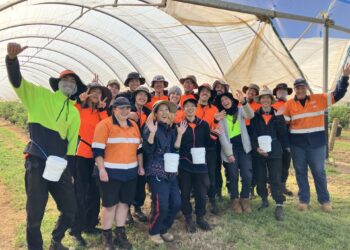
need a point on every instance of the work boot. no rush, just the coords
(326, 207)
(168, 237)
(219, 196)
(139, 214)
(279, 214)
(156, 239)
(264, 204)
(107, 240)
(81, 241)
(213, 207)
(246, 207)
(190, 225)
(129, 219)
(57, 245)
(203, 224)
(236, 206)
(303, 207)
(286, 191)
(252, 194)
(121, 241)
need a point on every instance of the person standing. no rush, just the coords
(160, 138)
(117, 149)
(281, 91)
(269, 122)
(53, 124)
(305, 115)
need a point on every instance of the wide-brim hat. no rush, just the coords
(206, 86)
(114, 82)
(159, 78)
(145, 90)
(282, 86)
(263, 93)
(81, 87)
(251, 86)
(221, 82)
(106, 93)
(190, 77)
(171, 106)
(229, 95)
(134, 75)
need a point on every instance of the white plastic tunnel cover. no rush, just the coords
(175, 40)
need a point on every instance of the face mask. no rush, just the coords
(282, 95)
(68, 88)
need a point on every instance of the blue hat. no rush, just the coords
(121, 102)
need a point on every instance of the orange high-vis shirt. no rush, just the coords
(179, 116)
(185, 97)
(207, 113)
(308, 118)
(120, 144)
(255, 106)
(154, 99)
(279, 104)
(89, 119)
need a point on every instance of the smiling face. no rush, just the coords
(114, 90)
(134, 84)
(162, 114)
(251, 94)
(300, 92)
(220, 89)
(281, 94)
(141, 98)
(175, 98)
(159, 87)
(96, 95)
(188, 86)
(204, 95)
(226, 102)
(265, 101)
(190, 109)
(121, 113)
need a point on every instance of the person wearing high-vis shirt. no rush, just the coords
(53, 124)
(117, 149)
(305, 115)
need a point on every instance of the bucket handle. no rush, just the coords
(40, 148)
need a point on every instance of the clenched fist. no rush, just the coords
(14, 49)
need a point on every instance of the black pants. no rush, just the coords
(255, 168)
(38, 189)
(87, 195)
(286, 159)
(140, 195)
(274, 166)
(211, 162)
(200, 183)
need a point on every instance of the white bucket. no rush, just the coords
(54, 168)
(198, 155)
(171, 162)
(265, 143)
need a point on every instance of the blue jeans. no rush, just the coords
(166, 203)
(315, 158)
(243, 163)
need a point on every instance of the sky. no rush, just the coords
(339, 12)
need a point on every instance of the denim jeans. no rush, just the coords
(243, 163)
(315, 158)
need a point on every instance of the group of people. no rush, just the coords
(115, 144)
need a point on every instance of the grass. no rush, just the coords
(259, 230)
